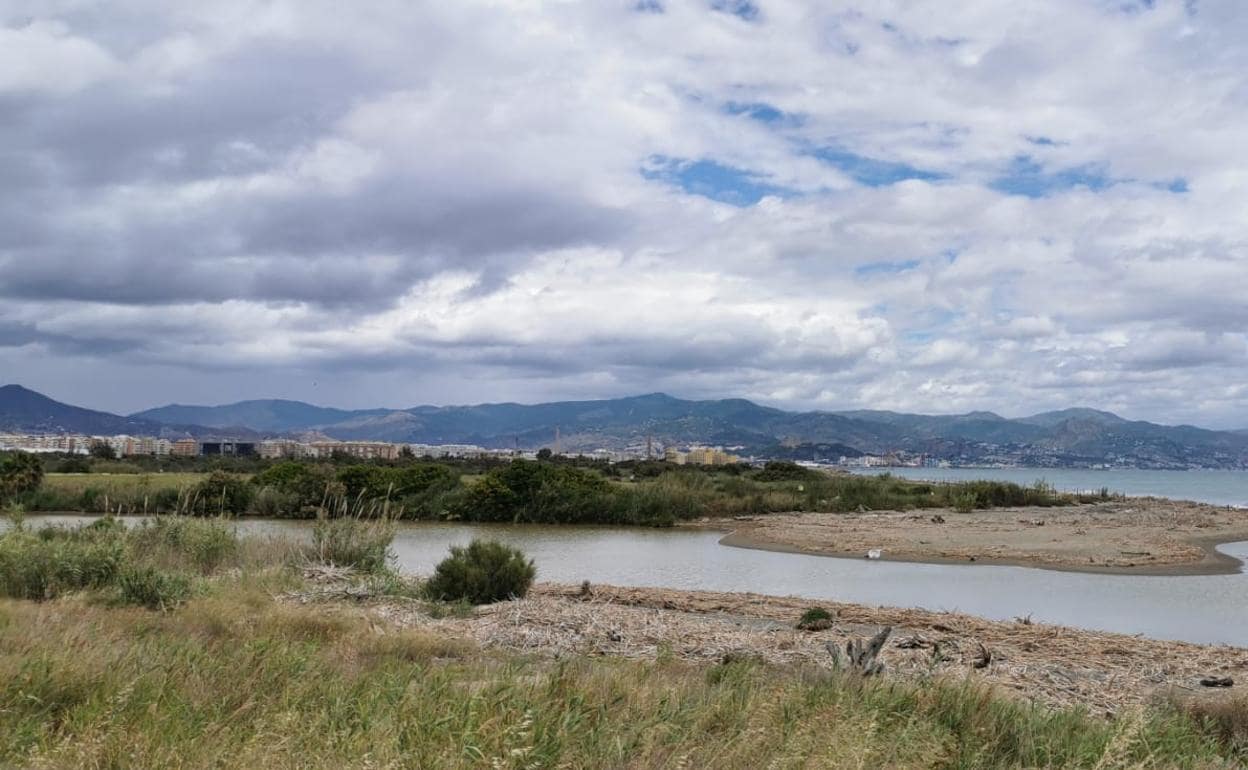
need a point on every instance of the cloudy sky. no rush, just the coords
(1012, 206)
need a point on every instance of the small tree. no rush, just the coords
(222, 493)
(101, 451)
(485, 571)
(20, 472)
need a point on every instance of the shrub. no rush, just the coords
(299, 484)
(815, 619)
(964, 502)
(221, 493)
(274, 503)
(783, 470)
(151, 588)
(352, 542)
(483, 572)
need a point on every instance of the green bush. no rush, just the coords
(483, 572)
(815, 619)
(274, 504)
(351, 542)
(783, 470)
(298, 486)
(527, 491)
(151, 588)
(221, 493)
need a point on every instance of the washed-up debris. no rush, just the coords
(860, 656)
(915, 642)
(1217, 681)
(1058, 666)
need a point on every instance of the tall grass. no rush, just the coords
(234, 680)
(157, 556)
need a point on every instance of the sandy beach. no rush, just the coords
(1143, 536)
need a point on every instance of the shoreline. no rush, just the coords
(1214, 561)
(1137, 536)
(1052, 664)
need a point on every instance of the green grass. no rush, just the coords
(234, 680)
(113, 493)
(121, 484)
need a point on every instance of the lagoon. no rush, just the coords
(1210, 609)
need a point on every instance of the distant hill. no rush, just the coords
(272, 415)
(25, 410)
(1070, 437)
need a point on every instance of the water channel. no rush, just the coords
(1207, 608)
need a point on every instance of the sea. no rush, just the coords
(1206, 486)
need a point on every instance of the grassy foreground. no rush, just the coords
(235, 680)
(231, 676)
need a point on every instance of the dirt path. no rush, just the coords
(1139, 536)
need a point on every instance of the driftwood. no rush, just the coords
(860, 656)
(915, 642)
(984, 658)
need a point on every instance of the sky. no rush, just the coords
(1007, 205)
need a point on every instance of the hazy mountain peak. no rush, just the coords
(1049, 419)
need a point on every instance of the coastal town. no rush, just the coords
(325, 448)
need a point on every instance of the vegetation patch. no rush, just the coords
(485, 571)
(149, 587)
(556, 491)
(815, 619)
(362, 544)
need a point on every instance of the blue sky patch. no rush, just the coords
(648, 6)
(886, 268)
(709, 179)
(762, 112)
(741, 8)
(1028, 178)
(870, 171)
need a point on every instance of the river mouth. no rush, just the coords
(1208, 609)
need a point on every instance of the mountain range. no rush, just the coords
(1070, 437)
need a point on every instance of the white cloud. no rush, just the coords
(445, 202)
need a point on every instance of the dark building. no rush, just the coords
(228, 448)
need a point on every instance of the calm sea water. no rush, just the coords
(1209, 609)
(1217, 487)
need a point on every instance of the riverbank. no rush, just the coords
(1140, 536)
(1052, 665)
